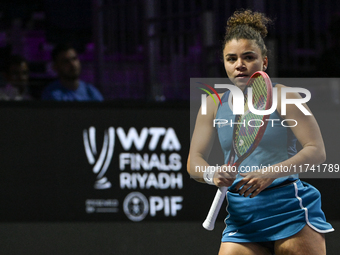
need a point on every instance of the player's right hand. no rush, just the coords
(225, 176)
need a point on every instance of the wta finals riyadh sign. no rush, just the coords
(166, 166)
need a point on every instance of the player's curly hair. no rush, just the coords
(246, 24)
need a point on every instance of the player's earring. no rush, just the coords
(264, 68)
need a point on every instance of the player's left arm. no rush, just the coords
(307, 132)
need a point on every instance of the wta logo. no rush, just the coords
(100, 161)
(204, 97)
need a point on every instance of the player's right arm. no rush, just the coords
(201, 144)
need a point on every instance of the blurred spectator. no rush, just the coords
(68, 86)
(16, 74)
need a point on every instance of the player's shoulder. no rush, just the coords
(215, 100)
(213, 103)
(287, 90)
(279, 86)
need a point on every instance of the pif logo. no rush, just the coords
(238, 99)
(136, 206)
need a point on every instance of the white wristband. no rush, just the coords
(208, 175)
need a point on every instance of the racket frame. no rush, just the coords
(210, 220)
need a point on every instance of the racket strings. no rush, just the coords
(259, 93)
(246, 133)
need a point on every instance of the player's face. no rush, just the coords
(67, 65)
(242, 58)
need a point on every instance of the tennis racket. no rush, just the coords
(245, 137)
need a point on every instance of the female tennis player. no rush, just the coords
(270, 211)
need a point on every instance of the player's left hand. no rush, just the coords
(253, 183)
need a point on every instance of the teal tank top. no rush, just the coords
(278, 143)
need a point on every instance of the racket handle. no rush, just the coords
(209, 222)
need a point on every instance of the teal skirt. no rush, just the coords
(274, 214)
